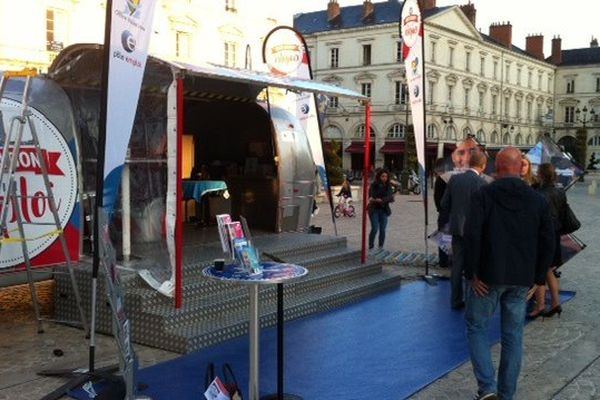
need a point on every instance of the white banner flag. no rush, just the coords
(131, 27)
(411, 30)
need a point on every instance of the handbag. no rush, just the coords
(231, 383)
(569, 222)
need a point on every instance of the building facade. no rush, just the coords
(32, 32)
(476, 84)
(577, 92)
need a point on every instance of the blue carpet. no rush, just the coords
(387, 347)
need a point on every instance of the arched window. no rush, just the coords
(360, 131)
(397, 131)
(432, 132)
(494, 139)
(518, 139)
(451, 133)
(481, 136)
(333, 132)
(595, 141)
(506, 138)
(529, 140)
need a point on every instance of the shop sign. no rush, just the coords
(32, 201)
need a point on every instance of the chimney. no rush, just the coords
(469, 11)
(502, 33)
(556, 57)
(333, 12)
(368, 10)
(427, 4)
(594, 42)
(534, 46)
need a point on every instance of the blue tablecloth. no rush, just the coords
(196, 189)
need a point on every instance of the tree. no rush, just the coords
(333, 163)
(580, 146)
(593, 161)
(411, 149)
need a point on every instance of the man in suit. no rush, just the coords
(511, 246)
(454, 210)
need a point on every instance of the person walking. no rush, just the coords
(557, 200)
(454, 209)
(511, 245)
(380, 197)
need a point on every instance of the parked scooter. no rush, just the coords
(414, 183)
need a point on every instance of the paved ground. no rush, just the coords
(562, 357)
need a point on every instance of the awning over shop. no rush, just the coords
(356, 147)
(393, 148)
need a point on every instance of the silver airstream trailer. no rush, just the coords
(260, 151)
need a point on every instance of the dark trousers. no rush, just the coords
(456, 274)
(443, 257)
(378, 218)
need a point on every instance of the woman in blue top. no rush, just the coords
(380, 197)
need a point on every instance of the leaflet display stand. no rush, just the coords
(273, 273)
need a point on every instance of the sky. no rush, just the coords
(575, 21)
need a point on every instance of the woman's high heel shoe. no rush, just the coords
(554, 310)
(538, 313)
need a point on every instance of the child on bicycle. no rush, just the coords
(345, 192)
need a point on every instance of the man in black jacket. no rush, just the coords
(510, 242)
(455, 207)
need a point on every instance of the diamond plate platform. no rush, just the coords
(215, 311)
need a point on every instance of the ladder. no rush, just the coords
(13, 139)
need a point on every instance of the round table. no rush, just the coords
(273, 273)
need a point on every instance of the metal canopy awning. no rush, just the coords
(82, 60)
(264, 80)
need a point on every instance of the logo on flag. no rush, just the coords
(128, 41)
(133, 8)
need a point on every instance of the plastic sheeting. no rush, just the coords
(79, 75)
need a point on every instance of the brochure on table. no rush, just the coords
(236, 242)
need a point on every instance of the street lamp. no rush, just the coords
(584, 117)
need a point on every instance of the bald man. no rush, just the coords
(509, 249)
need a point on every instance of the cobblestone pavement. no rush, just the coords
(562, 356)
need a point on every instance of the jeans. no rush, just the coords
(479, 312)
(378, 218)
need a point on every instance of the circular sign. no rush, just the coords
(410, 24)
(283, 51)
(32, 201)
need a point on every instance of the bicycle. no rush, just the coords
(345, 208)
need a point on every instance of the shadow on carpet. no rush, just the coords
(387, 347)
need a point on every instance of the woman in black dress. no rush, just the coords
(557, 200)
(380, 197)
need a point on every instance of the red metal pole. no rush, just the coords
(178, 221)
(367, 168)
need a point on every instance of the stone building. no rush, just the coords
(577, 94)
(476, 84)
(32, 32)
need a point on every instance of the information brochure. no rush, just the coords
(236, 241)
(217, 391)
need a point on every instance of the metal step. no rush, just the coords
(207, 307)
(204, 334)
